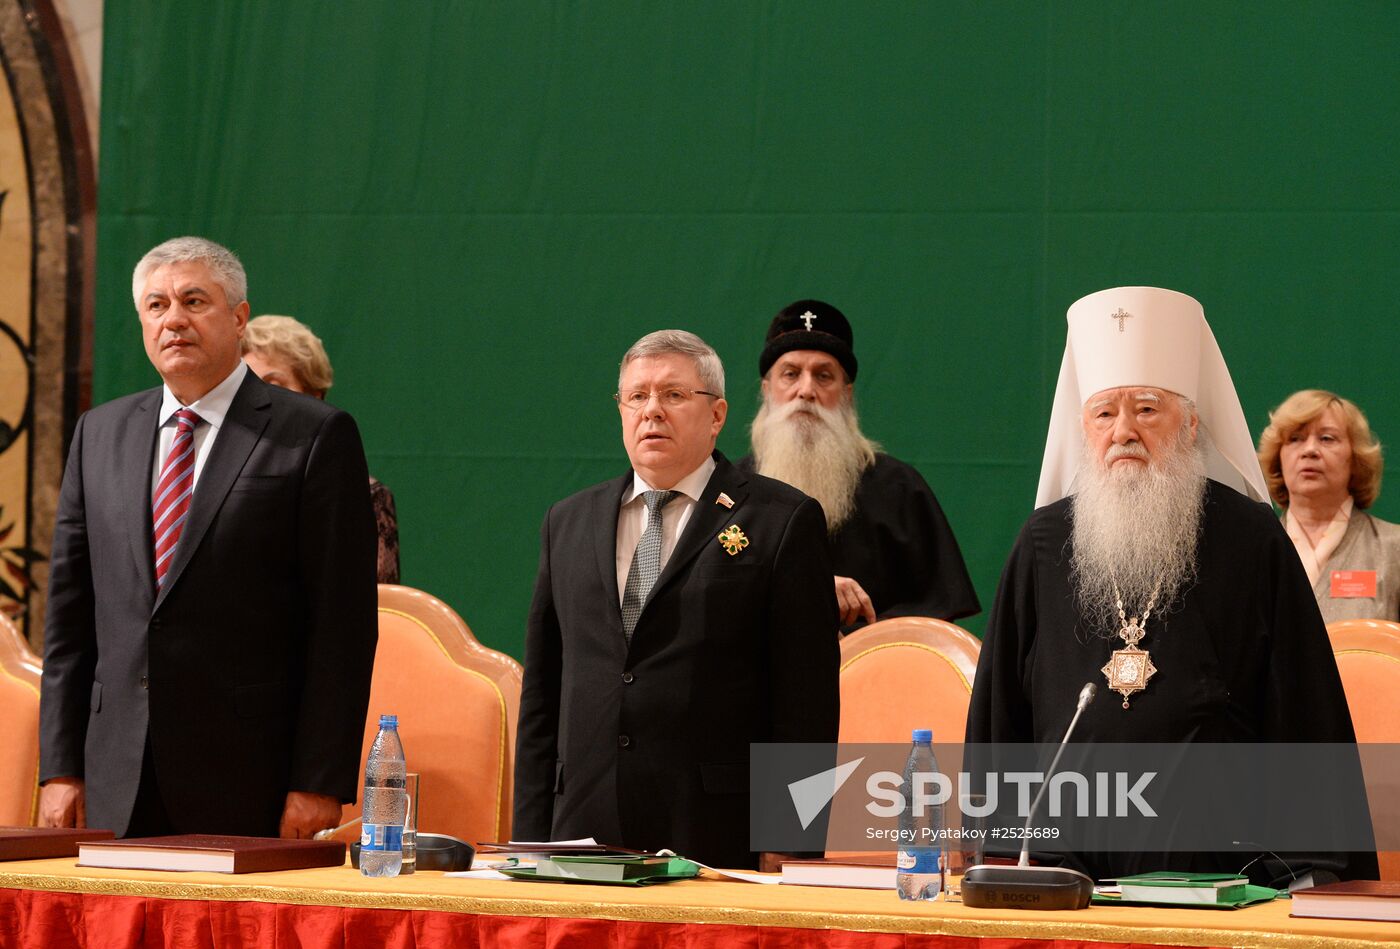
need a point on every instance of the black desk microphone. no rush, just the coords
(1024, 886)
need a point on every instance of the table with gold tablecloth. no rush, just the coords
(53, 903)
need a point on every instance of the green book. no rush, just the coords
(612, 869)
(1167, 887)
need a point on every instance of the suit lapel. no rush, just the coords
(1357, 547)
(135, 465)
(605, 515)
(706, 521)
(247, 416)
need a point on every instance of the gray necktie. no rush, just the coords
(646, 561)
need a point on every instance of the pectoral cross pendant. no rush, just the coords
(1129, 668)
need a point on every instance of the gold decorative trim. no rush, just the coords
(935, 921)
(924, 646)
(1367, 652)
(500, 702)
(14, 678)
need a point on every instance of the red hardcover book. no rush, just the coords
(211, 853)
(38, 843)
(1351, 899)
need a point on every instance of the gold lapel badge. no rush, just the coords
(732, 539)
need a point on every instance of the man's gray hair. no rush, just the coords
(224, 263)
(680, 342)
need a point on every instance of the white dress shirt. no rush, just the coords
(632, 517)
(211, 408)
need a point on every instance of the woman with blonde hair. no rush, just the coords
(284, 352)
(1323, 467)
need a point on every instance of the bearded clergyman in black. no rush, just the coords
(891, 546)
(1151, 568)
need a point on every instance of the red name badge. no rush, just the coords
(1349, 584)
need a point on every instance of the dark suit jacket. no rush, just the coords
(648, 746)
(252, 667)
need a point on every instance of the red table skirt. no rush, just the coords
(42, 920)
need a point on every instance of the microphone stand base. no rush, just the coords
(1004, 887)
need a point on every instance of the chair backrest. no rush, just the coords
(905, 673)
(1368, 658)
(457, 703)
(19, 710)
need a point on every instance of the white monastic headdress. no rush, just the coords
(1144, 336)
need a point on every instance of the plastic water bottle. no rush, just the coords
(385, 803)
(919, 874)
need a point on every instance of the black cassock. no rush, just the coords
(1242, 656)
(898, 546)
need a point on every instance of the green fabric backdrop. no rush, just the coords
(480, 206)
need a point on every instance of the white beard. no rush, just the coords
(1134, 531)
(817, 450)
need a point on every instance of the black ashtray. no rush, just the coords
(435, 852)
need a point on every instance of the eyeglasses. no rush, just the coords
(671, 397)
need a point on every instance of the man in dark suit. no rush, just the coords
(681, 612)
(211, 619)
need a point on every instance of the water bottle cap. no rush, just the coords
(923, 734)
(388, 721)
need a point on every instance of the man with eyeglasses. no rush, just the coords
(681, 611)
(892, 549)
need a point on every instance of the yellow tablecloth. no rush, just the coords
(712, 901)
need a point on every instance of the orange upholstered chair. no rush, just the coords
(19, 710)
(901, 674)
(1368, 658)
(457, 704)
(905, 673)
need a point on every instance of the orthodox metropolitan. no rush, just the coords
(1151, 568)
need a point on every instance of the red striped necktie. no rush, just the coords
(174, 488)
